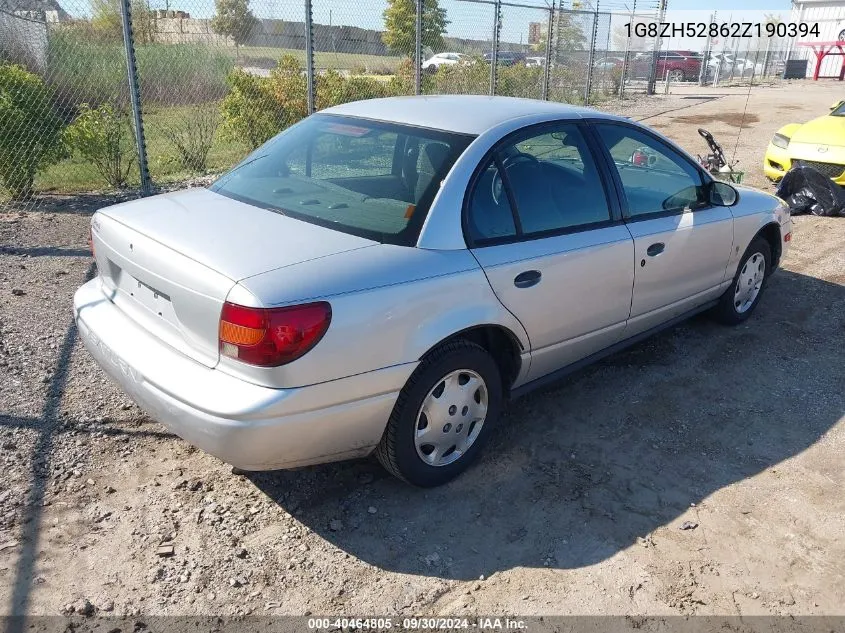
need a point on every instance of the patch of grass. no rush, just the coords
(268, 57)
(84, 70)
(76, 174)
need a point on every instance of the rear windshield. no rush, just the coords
(367, 178)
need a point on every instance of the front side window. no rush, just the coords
(368, 178)
(655, 178)
(551, 180)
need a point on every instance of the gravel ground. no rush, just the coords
(578, 506)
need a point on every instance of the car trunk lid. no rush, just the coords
(169, 262)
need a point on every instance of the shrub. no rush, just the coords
(103, 135)
(520, 81)
(250, 111)
(193, 135)
(382, 69)
(333, 89)
(257, 108)
(30, 129)
(290, 90)
(472, 77)
(402, 83)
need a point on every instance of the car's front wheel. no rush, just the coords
(676, 74)
(443, 415)
(740, 299)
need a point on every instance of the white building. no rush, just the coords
(830, 17)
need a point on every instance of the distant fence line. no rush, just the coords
(203, 104)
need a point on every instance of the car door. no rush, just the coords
(682, 244)
(539, 222)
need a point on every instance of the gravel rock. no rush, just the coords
(84, 607)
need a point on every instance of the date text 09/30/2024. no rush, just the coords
(418, 624)
(723, 29)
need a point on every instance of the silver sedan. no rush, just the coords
(383, 275)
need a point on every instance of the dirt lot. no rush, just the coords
(576, 506)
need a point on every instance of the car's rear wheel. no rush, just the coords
(841, 36)
(676, 74)
(740, 299)
(443, 415)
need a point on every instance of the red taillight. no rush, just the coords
(787, 237)
(269, 337)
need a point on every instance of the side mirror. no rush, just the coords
(722, 194)
(836, 105)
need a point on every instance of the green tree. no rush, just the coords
(107, 22)
(234, 19)
(30, 129)
(400, 25)
(570, 36)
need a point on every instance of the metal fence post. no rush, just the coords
(309, 54)
(418, 49)
(705, 58)
(591, 56)
(766, 57)
(652, 75)
(494, 54)
(135, 96)
(547, 69)
(627, 53)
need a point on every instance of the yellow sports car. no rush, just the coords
(819, 144)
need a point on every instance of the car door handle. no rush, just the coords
(527, 279)
(655, 249)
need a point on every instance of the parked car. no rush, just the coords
(535, 62)
(678, 65)
(608, 63)
(383, 275)
(443, 59)
(506, 58)
(819, 144)
(726, 64)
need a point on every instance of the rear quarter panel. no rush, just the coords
(390, 305)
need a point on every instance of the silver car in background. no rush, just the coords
(381, 276)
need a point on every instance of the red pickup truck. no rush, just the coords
(680, 65)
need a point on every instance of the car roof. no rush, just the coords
(464, 114)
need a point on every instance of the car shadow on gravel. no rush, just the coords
(582, 470)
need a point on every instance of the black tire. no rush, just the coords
(397, 451)
(842, 35)
(727, 312)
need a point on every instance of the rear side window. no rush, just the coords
(367, 178)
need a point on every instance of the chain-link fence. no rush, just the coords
(213, 79)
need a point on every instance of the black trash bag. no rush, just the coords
(807, 190)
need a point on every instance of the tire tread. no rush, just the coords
(386, 450)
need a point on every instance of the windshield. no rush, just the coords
(838, 110)
(368, 178)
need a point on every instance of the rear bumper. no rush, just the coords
(247, 425)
